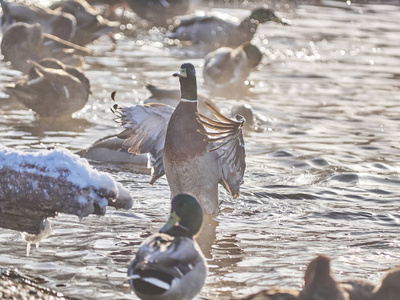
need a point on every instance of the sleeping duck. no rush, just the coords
(195, 152)
(226, 69)
(22, 42)
(57, 23)
(52, 89)
(90, 25)
(169, 265)
(159, 12)
(220, 30)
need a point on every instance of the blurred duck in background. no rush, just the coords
(52, 89)
(22, 42)
(159, 12)
(57, 23)
(90, 25)
(319, 283)
(226, 69)
(219, 30)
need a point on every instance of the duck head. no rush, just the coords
(262, 15)
(186, 217)
(187, 80)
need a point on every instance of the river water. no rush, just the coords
(322, 175)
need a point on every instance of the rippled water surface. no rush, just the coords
(322, 176)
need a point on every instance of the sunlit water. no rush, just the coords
(322, 177)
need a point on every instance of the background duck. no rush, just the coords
(22, 42)
(193, 160)
(90, 25)
(159, 12)
(389, 289)
(52, 89)
(56, 23)
(319, 283)
(226, 69)
(170, 265)
(219, 30)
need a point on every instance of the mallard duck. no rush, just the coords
(389, 289)
(52, 89)
(226, 69)
(194, 160)
(90, 25)
(219, 31)
(169, 264)
(159, 12)
(57, 23)
(22, 42)
(319, 283)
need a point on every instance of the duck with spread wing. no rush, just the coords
(195, 152)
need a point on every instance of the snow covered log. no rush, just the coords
(55, 181)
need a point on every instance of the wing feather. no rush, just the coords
(226, 139)
(145, 127)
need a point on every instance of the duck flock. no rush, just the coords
(187, 138)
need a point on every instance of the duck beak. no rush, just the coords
(171, 223)
(181, 73)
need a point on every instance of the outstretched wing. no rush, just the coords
(226, 139)
(145, 130)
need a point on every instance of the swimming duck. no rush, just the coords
(52, 89)
(319, 283)
(90, 25)
(57, 23)
(159, 12)
(169, 264)
(219, 31)
(226, 69)
(22, 42)
(194, 160)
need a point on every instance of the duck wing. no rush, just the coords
(226, 139)
(145, 130)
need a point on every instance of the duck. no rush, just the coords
(226, 69)
(217, 31)
(59, 24)
(22, 42)
(52, 89)
(277, 293)
(193, 151)
(169, 265)
(159, 12)
(319, 283)
(389, 289)
(90, 25)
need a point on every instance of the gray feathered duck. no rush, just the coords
(22, 42)
(90, 25)
(159, 12)
(56, 23)
(226, 69)
(215, 31)
(52, 89)
(195, 152)
(169, 265)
